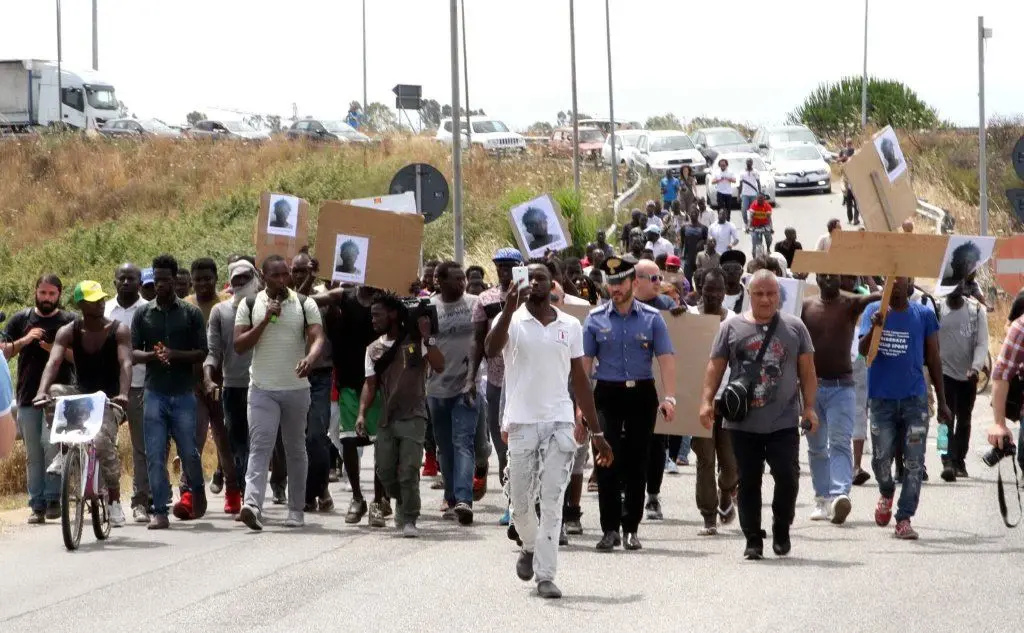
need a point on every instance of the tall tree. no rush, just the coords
(540, 128)
(274, 122)
(833, 109)
(667, 121)
(195, 116)
(380, 118)
(430, 110)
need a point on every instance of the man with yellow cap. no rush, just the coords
(101, 350)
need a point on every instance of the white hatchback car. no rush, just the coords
(489, 134)
(799, 168)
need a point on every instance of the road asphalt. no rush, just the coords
(215, 575)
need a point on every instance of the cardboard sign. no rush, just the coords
(878, 175)
(399, 203)
(539, 227)
(380, 249)
(282, 226)
(692, 336)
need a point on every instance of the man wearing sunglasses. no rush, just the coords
(647, 286)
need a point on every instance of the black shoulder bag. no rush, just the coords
(734, 403)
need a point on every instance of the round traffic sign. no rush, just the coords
(1017, 158)
(1009, 265)
(432, 193)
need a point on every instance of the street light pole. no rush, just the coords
(60, 84)
(983, 34)
(456, 134)
(95, 37)
(864, 79)
(465, 68)
(575, 109)
(364, 58)
(611, 99)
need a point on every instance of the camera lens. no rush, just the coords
(993, 456)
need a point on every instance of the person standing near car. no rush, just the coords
(669, 189)
(963, 347)
(101, 351)
(723, 183)
(32, 332)
(726, 235)
(897, 401)
(127, 282)
(782, 376)
(169, 338)
(750, 189)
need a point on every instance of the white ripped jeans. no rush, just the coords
(540, 456)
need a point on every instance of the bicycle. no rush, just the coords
(81, 483)
(759, 238)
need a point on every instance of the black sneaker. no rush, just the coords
(279, 496)
(948, 473)
(217, 481)
(356, 511)
(653, 509)
(251, 517)
(609, 541)
(861, 477)
(563, 538)
(780, 539)
(52, 510)
(513, 534)
(961, 471)
(755, 546)
(464, 513)
(524, 566)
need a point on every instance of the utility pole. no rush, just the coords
(60, 84)
(983, 34)
(364, 59)
(575, 109)
(465, 68)
(95, 37)
(611, 100)
(456, 135)
(864, 79)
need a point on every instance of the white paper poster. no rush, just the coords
(964, 254)
(77, 419)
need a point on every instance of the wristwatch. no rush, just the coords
(598, 434)
(431, 342)
(670, 399)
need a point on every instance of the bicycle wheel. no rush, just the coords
(72, 503)
(100, 517)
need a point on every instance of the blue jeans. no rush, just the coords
(890, 420)
(455, 431)
(235, 401)
(317, 444)
(745, 202)
(830, 448)
(43, 487)
(171, 415)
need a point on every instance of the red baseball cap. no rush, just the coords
(672, 260)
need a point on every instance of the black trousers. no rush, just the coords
(627, 416)
(656, 464)
(960, 397)
(781, 450)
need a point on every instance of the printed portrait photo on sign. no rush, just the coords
(538, 226)
(77, 418)
(350, 258)
(964, 255)
(284, 215)
(888, 147)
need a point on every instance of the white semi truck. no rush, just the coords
(30, 96)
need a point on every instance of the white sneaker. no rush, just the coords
(294, 520)
(821, 509)
(56, 467)
(116, 514)
(670, 467)
(140, 514)
(840, 509)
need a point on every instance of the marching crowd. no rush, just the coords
(292, 379)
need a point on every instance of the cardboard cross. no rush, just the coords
(869, 254)
(883, 205)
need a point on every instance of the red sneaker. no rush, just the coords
(232, 502)
(430, 465)
(479, 487)
(904, 531)
(883, 512)
(183, 509)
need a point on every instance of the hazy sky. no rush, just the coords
(752, 62)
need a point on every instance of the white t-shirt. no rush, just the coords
(708, 218)
(724, 185)
(661, 247)
(537, 362)
(113, 311)
(655, 220)
(732, 301)
(749, 183)
(724, 234)
(823, 242)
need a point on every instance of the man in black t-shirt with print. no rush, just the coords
(31, 333)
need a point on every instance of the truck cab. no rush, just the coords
(30, 95)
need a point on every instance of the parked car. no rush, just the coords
(490, 134)
(737, 165)
(139, 127)
(767, 138)
(712, 141)
(799, 167)
(625, 147)
(591, 142)
(661, 150)
(227, 129)
(324, 130)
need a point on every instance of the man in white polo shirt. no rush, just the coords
(277, 326)
(128, 281)
(542, 347)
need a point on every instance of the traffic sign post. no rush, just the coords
(1017, 158)
(428, 184)
(407, 97)
(1009, 265)
(1016, 196)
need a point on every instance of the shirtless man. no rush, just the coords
(831, 318)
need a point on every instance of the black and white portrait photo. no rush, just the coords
(77, 418)
(350, 258)
(538, 226)
(964, 255)
(283, 216)
(888, 147)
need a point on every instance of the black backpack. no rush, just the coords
(250, 302)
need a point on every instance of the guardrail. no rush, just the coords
(624, 198)
(942, 219)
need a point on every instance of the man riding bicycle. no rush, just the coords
(101, 351)
(761, 225)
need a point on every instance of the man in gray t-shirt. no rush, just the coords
(769, 433)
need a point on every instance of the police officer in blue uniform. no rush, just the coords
(624, 336)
